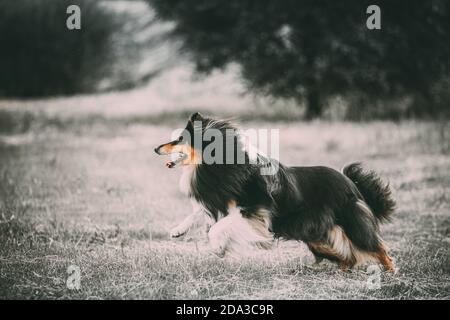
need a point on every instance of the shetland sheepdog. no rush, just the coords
(337, 214)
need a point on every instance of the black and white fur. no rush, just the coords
(336, 214)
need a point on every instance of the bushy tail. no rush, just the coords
(376, 193)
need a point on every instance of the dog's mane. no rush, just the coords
(215, 184)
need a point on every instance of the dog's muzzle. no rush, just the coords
(171, 164)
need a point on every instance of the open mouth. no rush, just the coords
(181, 156)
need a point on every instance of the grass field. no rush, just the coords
(89, 191)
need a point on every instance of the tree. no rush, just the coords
(310, 50)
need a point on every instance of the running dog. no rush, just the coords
(336, 214)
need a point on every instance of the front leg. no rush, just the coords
(239, 235)
(219, 236)
(189, 221)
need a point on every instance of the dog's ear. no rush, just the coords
(197, 116)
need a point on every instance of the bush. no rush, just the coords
(311, 51)
(40, 56)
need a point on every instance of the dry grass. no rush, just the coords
(93, 194)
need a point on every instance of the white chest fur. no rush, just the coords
(186, 177)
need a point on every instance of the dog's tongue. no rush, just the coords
(172, 164)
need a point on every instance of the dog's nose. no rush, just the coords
(156, 149)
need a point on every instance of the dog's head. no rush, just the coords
(195, 138)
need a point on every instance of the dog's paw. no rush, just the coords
(219, 252)
(177, 232)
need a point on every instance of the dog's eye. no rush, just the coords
(180, 139)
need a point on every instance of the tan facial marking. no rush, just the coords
(167, 148)
(193, 157)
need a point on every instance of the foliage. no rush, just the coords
(40, 56)
(312, 50)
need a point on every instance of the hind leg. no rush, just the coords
(319, 255)
(338, 247)
(326, 250)
(385, 259)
